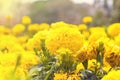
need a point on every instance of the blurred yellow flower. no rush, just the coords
(112, 75)
(58, 25)
(44, 26)
(41, 35)
(9, 17)
(82, 27)
(6, 73)
(96, 36)
(117, 39)
(35, 42)
(87, 19)
(97, 30)
(27, 60)
(18, 28)
(114, 29)
(26, 20)
(33, 27)
(9, 43)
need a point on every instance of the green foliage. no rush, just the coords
(44, 70)
(68, 63)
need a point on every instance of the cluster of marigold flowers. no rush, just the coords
(79, 41)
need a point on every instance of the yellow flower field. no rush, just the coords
(59, 51)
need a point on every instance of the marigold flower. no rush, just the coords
(58, 25)
(112, 75)
(44, 26)
(112, 54)
(82, 27)
(114, 29)
(33, 27)
(87, 19)
(18, 28)
(26, 20)
(69, 38)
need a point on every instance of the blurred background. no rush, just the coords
(103, 12)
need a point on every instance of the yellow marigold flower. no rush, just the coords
(27, 60)
(96, 36)
(6, 45)
(41, 35)
(117, 39)
(72, 26)
(60, 76)
(91, 51)
(4, 30)
(33, 27)
(26, 20)
(59, 24)
(65, 37)
(112, 75)
(97, 30)
(35, 42)
(22, 39)
(8, 59)
(93, 44)
(7, 31)
(85, 34)
(82, 54)
(82, 27)
(18, 28)
(112, 54)
(87, 19)
(7, 72)
(44, 26)
(114, 29)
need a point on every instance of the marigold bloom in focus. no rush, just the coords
(69, 38)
